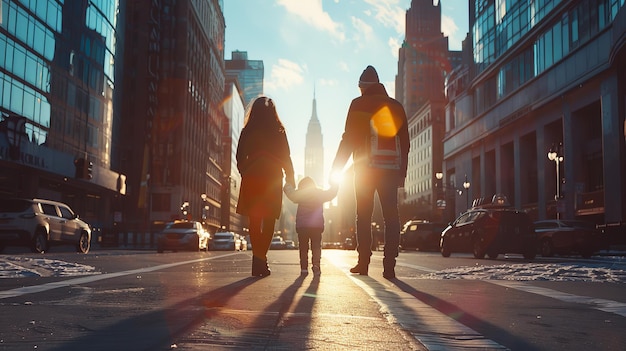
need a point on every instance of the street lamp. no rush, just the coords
(466, 185)
(205, 208)
(556, 154)
(184, 209)
(441, 192)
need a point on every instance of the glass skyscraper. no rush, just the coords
(57, 85)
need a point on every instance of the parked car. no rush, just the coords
(349, 244)
(278, 243)
(290, 245)
(490, 230)
(226, 241)
(421, 234)
(39, 223)
(563, 237)
(183, 235)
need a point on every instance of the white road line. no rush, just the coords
(90, 279)
(433, 329)
(618, 308)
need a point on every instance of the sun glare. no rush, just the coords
(384, 122)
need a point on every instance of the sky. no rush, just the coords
(319, 48)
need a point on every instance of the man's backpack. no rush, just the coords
(384, 143)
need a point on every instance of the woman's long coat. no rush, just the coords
(261, 160)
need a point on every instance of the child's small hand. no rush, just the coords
(288, 188)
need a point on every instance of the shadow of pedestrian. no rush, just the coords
(262, 333)
(459, 314)
(156, 330)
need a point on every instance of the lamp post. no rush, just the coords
(466, 186)
(556, 154)
(205, 208)
(184, 209)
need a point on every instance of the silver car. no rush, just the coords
(226, 241)
(183, 235)
(39, 223)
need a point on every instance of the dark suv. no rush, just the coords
(421, 234)
(490, 230)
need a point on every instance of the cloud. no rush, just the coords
(363, 32)
(311, 12)
(394, 44)
(328, 82)
(388, 13)
(284, 75)
(448, 27)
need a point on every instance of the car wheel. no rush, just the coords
(547, 249)
(40, 242)
(445, 251)
(83, 243)
(478, 250)
(2, 246)
(492, 255)
(159, 250)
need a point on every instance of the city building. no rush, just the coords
(314, 148)
(60, 70)
(249, 72)
(235, 114)
(538, 113)
(424, 62)
(172, 131)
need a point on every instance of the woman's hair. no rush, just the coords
(262, 115)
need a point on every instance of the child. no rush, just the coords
(310, 219)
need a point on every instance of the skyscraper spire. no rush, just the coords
(314, 149)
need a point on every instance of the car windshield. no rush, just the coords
(181, 225)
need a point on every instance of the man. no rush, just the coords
(376, 135)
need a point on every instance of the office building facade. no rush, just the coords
(547, 77)
(249, 72)
(173, 127)
(60, 69)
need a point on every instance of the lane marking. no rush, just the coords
(433, 329)
(5, 294)
(610, 306)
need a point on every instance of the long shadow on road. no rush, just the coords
(457, 313)
(157, 329)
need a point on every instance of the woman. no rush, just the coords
(262, 156)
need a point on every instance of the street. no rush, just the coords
(141, 300)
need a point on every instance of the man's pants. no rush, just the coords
(366, 184)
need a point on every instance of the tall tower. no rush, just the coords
(423, 57)
(314, 148)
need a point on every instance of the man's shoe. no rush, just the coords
(316, 270)
(389, 274)
(360, 268)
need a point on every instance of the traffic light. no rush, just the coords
(83, 169)
(79, 165)
(89, 172)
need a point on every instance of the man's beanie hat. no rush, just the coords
(368, 76)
